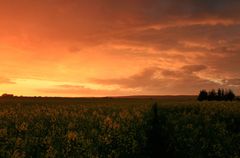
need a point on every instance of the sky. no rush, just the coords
(118, 47)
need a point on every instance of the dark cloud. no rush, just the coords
(193, 38)
(142, 79)
(172, 82)
(216, 46)
(194, 68)
(184, 72)
(102, 19)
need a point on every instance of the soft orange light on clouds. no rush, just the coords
(107, 47)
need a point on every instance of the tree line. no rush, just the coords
(219, 95)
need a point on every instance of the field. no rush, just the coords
(119, 127)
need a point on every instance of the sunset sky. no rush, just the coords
(118, 47)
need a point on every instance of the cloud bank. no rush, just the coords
(137, 46)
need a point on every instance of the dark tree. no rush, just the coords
(5, 95)
(223, 93)
(219, 95)
(203, 95)
(230, 95)
(212, 95)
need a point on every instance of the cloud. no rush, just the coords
(4, 80)
(76, 90)
(171, 46)
(162, 81)
(192, 38)
(78, 20)
(233, 82)
(194, 68)
(74, 49)
(135, 81)
(216, 46)
(186, 71)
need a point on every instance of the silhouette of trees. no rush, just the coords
(230, 95)
(203, 95)
(220, 94)
(212, 95)
(5, 95)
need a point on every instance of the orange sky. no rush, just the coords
(108, 47)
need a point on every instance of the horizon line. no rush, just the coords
(113, 96)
